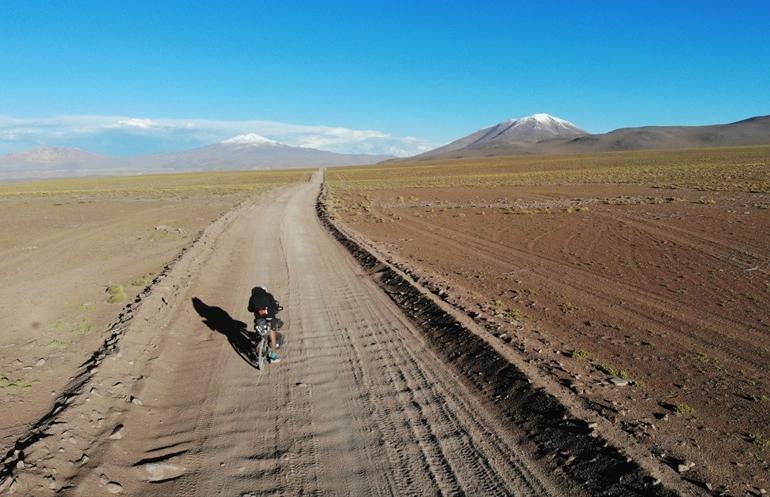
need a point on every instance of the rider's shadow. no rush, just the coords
(217, 319)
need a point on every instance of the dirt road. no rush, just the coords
(359, 405)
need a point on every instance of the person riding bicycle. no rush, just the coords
(262, 299)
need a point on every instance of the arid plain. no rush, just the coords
(637, 281)
(75, 252)
(619, 300)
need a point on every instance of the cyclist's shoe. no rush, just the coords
(274, 357)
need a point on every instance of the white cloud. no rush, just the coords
(133, 122)
(130, 134)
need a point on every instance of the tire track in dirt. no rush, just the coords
(648, 306)
(708, 245)
(444, 403)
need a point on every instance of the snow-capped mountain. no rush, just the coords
(534, 128)
(521, 131)
(545, 134)
(251, 139)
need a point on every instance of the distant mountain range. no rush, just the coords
(535, 134)
(248, 151)
(545, 134)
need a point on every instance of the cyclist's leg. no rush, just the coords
(273, 338)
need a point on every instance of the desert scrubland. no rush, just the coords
(639, 281)
(74, 252)
(361, 403)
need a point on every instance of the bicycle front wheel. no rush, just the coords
(262, 353)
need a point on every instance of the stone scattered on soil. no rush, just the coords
(620, 382)
(117, 433)
(158, 472)
(114, 487)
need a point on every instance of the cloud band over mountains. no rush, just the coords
(127, 135)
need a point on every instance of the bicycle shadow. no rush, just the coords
(217, 319)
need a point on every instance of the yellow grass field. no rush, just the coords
(218, 183)
(733, 169)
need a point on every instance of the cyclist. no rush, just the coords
(262, 299)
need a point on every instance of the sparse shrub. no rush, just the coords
(682, 409)
(759, 440)
(60, 326)
(116, 294)
(82, 329)
(514, 314)
(57, 344)
(580, 354)
(567, 307)
(612, 371)
(143, 281)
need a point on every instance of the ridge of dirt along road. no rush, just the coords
(359, 404)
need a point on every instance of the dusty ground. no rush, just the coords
(366, 403)
(59, 256)
(668, 288)
(359, 405)
(63, 244)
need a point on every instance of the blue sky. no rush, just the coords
(368, 76)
